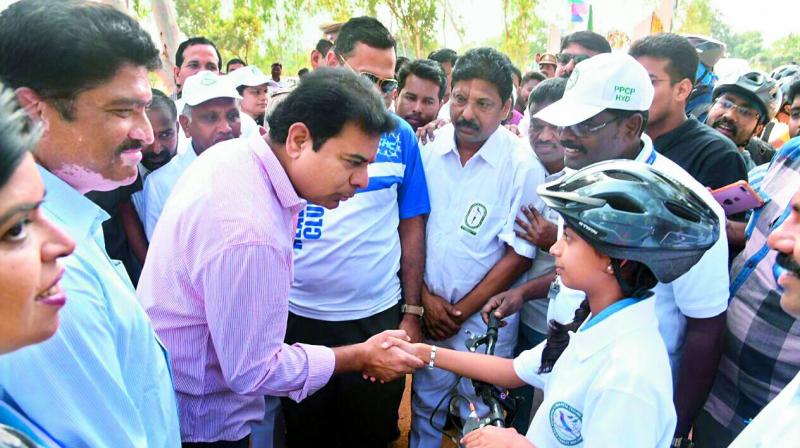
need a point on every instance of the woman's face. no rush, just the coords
(580, 266)
(254, 100)
(30, 246)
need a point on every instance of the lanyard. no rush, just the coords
(608, 311)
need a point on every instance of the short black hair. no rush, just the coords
(487, 64)
(323, 46)
(366, 30)
(162, 101)
(588, 40)
(199, 40)
(87, 41)
(16, 139)
(325, 101)
(401, 61)
(532, 75)
(548, 91)
(444, 55)
(623, 114)
(516, 72)
(234, 61)
(424, 69)
(302, 72)
(794, 90)
(677, 50)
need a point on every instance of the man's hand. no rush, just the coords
(504, 304)
(494, 437)
(412, 325)
(387, 364)
(514, 128)
(441, 319)
(426, 132)
(536, 229)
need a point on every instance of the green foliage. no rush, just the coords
(417, 20)
(524, 32)
(696, 17)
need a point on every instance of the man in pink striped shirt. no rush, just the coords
(219, 269)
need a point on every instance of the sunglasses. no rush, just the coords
(385, 85)
(564, 58)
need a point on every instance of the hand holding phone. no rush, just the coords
(737, 197)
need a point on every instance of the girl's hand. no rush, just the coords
(494, 437)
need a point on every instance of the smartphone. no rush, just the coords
(737, 197)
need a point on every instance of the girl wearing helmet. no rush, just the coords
(606, 376)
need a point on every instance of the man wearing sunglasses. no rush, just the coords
(602, 116)
(577, 47)
(347, 260)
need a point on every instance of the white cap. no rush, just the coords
(604, 81)
(249, 76)
(204, 86)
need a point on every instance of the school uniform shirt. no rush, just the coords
(159, 184)
(103, 379)
(346, 260)
(700, 293)
(777, 424)
(611, 386)
(473, 208)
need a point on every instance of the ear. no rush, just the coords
(298, 139)
(632, 126)
(33, 104)
(507, 106)
(395, 94)
(759, 129)
(684, 89)
(175, 71)
(184, 121)
(331, 59)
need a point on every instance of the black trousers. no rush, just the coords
(244, 443)
(349, 411)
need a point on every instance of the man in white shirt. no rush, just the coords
(480, 174)
(210, 116)
(602, 116)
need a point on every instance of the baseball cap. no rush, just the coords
(205, 86)
(604, 81)
(249, 76)
(547, 58)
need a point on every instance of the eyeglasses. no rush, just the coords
(564, 58)
(583, 129)
(744, 112)
(385, 85)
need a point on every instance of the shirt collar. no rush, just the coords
(75, 212)
(647, 153)
(615, 327)
(283, 187)
(491, 151)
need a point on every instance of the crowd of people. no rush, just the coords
(253, 261)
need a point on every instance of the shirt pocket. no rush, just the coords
(478, 226)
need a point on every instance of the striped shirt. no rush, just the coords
(216, 285)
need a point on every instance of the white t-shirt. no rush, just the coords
(700, 293)
(159, 184)
(473, 208)
(778, 424)
(610, 387)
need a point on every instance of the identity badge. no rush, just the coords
(474, 218)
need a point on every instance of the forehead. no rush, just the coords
(536, 107)
(160, 118)
(739, 99)
(200, 52)
(577, 49)
(654, 66)
(420, 86)
(129, 84)
(353, 141)
(216, 104)
(477, 88)
(379, 61)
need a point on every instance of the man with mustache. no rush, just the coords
(602, 116)
(103, 379)
(740, 109)
(420, 90)
(210, 116)
(579, 46)
(480, 174)
(761, 355)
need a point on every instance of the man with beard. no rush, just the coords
(103, 379)
(741, 108)
(602, 116)
(210, 116)
(577, 47)
(547, 64)
(761, 354)
(529, 81)
(671, 61)
(420, 91)
(472, 250)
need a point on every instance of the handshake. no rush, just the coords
(388, 355)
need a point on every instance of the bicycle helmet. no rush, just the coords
(709, 50)
(630, 211)
(785, 71)
(757, 86)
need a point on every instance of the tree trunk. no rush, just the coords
(170, 37)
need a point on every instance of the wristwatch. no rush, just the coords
(412, 309)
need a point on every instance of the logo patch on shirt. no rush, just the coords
(565, 421)
(474, 218)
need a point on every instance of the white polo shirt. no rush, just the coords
(700, 293)
(159, 184)
(610, 387)
(473, 208)
(778, 424)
